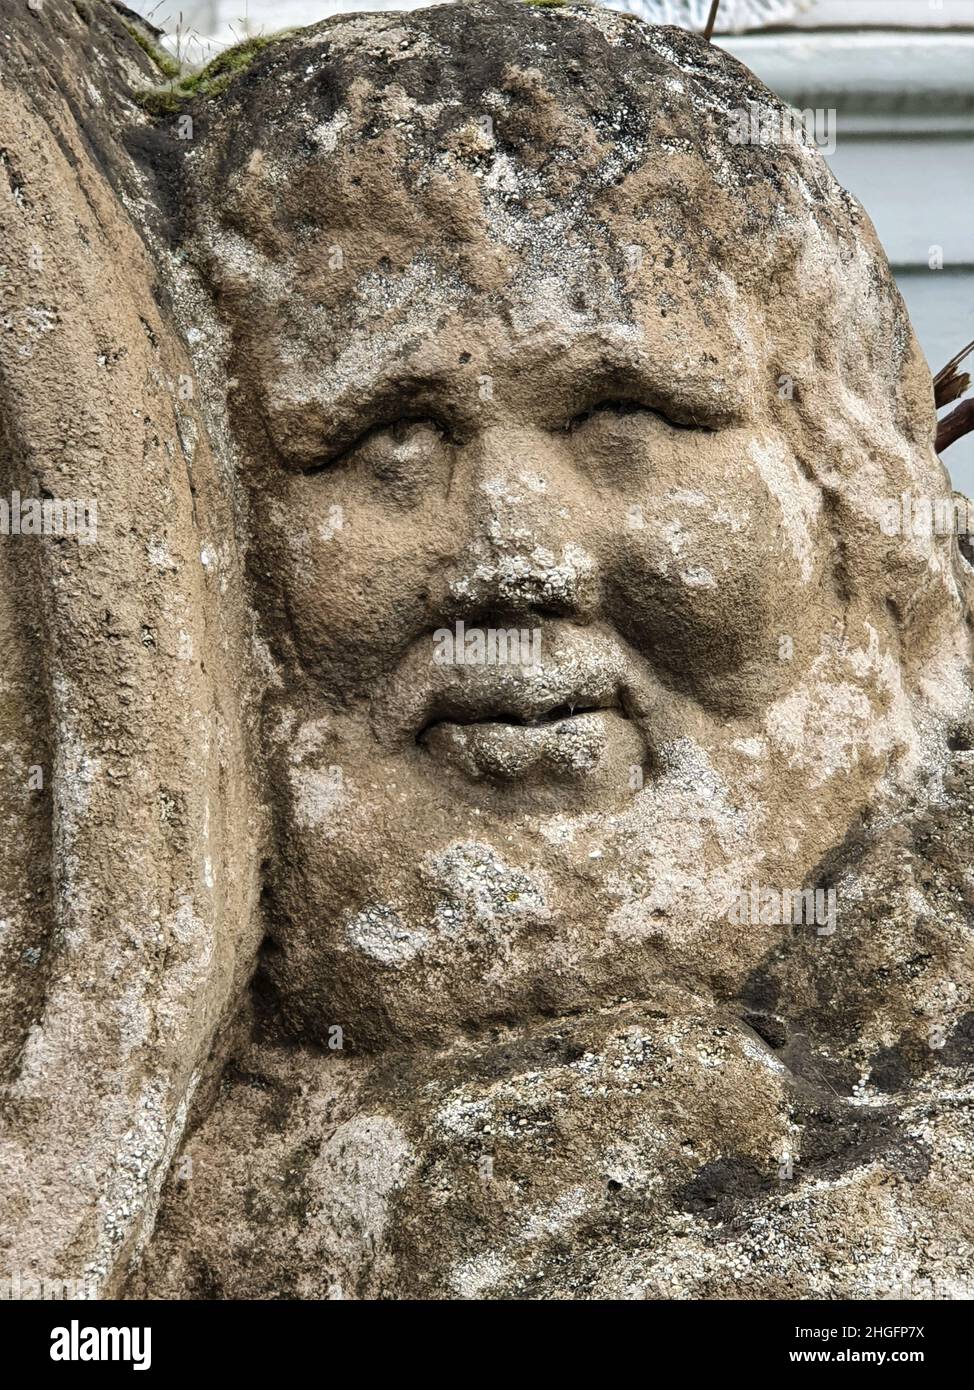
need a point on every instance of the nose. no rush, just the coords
(530, 545)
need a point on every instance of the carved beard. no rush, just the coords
(418, 893)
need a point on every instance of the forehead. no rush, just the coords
(411, 206)
(412, 276)
(516, 154)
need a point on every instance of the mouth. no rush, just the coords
(564, 744)
(570, 724)
(557, 714)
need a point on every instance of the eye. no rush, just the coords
(392, 445)
(611, 408)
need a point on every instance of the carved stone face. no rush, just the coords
(512, 386)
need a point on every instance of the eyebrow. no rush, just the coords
(326, 430)
(711, 398)
(330, 427)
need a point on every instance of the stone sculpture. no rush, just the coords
(508, 798)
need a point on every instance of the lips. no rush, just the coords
(557, 714)
(557, 748)
(566, 718)
(511, 718)
(533, 729)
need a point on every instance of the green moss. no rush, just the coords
(211, 80)
(160, 101)
(547, 4)
(216, 75)
(166, 65)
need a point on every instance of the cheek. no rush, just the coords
(358, 579)
(709, 592)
